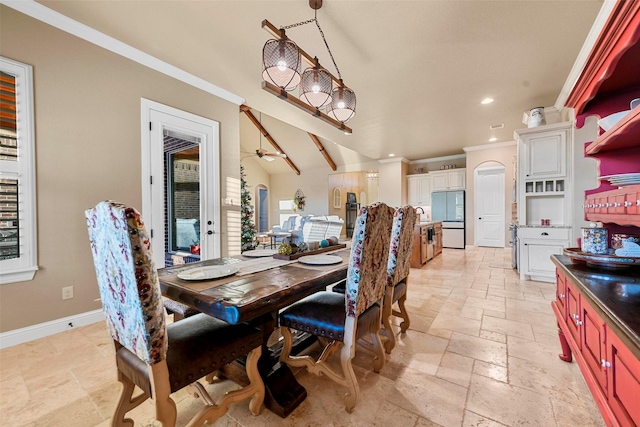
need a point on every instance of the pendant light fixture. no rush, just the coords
(343, 103)
(317, 87)
(281, 63)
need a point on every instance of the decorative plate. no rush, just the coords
(605, 261)
(208, 273)
(260, 253)
(320, 259)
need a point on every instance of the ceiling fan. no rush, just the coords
(263, 154)
(270, 157)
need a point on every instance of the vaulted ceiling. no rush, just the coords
(419, 68)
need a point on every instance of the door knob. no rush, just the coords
(209, 232)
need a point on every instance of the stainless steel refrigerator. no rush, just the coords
(448, 207)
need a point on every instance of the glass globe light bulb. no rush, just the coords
(315, 89)
(341, 104)
(282, 65)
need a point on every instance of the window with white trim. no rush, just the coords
(18, 261)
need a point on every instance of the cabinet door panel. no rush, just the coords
(573, 314)
(539, 257)
(425, 191)
(413, 184)
(624, 383)
(594, 344)
(457, 180)
(561, 291)
(440, 182)
(546, 154)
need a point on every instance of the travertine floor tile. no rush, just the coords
(478, 348)
(509, 405)
(481, 351)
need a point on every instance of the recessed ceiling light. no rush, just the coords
(391, 155)
(493, 138)
(487, 101)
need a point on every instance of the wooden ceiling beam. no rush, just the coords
(247, 110)
(326, 155)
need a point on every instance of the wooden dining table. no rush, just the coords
(255, 294)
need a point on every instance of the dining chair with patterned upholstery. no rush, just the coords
(341, 319)
(158, 358)
(398, 269)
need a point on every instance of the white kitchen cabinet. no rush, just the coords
(544, 150)
(419, 190)
(448, 180)
(536, 245)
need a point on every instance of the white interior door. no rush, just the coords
(180, 180)
(489, 207)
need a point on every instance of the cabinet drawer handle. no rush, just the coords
(561, 296)
(638, 202)
(627, 204)
(578, 323)
(544, 233)
(575, 316)
(607, 205)
(605, 364)
(617, 205)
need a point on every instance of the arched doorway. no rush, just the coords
(262, 208)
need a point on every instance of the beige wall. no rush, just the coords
(392, 183)
(506, 156)
(87, 125)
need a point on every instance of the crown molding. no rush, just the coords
(489, 146)
(438, 159)
(64, 23)
(395, 160)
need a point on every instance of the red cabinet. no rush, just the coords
(594, 344)
(610, 368)
(624, 382)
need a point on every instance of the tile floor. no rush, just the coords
(481, 351)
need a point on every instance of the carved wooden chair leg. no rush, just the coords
(255, 380)
(403, 313)
(166, 409)
(125, 403)
(386, 330)
(353, 395)
(378, 349)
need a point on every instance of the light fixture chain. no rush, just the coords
(315, 19)
(329, 50)
(309, 21)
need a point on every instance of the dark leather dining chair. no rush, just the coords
(341, 319)
(158, 358)
(398, 268)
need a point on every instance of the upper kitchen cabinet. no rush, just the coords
(544, 150)
(453, 179)
(419, 189)
(608, 83)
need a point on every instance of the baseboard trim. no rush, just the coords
(41, 330)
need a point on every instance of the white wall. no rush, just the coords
(585, 172)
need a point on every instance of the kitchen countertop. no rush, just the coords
(428, 222)
(615, 292)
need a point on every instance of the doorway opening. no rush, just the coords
(262, 197)
(180, 184)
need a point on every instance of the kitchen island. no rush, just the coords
(427, 242)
